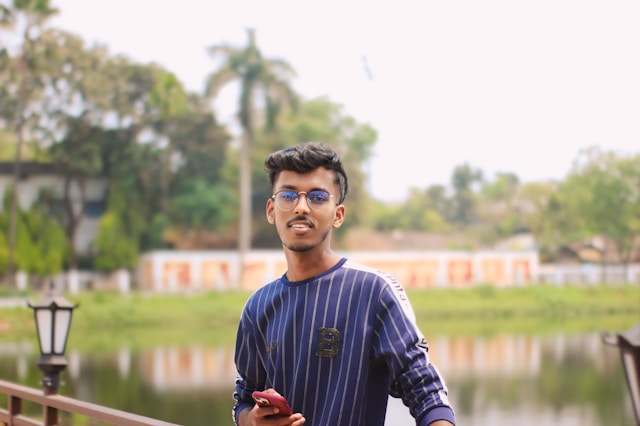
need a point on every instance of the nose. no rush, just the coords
(302, 206)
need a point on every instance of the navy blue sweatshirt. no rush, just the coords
(336, 345)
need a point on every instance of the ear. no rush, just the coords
(338, 217)
(270, 211)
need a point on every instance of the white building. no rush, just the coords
(34, 177)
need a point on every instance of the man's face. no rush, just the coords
(303, 228)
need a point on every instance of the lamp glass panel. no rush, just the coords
(63, 318)
(43, 323)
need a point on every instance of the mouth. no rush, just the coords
(301, 225)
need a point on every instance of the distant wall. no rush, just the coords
(172, 271)
(588, 274)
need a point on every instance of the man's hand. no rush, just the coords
(267, 416)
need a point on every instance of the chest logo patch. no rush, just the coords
(328, 342)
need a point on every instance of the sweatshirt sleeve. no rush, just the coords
(251, 375)
(400, 344)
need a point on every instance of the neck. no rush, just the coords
(304, 265)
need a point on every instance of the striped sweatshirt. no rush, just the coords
(336, 345)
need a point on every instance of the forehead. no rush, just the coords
(319, 178)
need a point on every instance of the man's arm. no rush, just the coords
(416, 380)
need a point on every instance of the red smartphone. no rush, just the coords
(264, 399)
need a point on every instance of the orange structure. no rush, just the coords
(177, 271)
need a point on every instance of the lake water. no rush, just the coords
(499, 380)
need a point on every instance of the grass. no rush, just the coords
(108, 319)
(540, 300)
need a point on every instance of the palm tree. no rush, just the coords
(261, 80)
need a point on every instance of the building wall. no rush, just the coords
(174, 271)
(30, 186)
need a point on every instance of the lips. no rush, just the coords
(301, 224)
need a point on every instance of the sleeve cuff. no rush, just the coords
(438, 413)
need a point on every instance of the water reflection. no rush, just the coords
(501, 379)
(195, 367)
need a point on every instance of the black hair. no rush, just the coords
(305, 157)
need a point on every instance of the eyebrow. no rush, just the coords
(295, 188)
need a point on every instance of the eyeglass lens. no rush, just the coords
(287, 200)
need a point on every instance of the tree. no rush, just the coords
(257, 76)
(76, 159)
(115, 246)
(541, 213)
(23, 85)
(191, 177)
(462, 180)
(41, 247)
(604, 189)
(498, 207)
(132, 125)
(137, 128)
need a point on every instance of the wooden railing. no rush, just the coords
(12, 415)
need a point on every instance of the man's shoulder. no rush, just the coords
(388, 283)
(373, 273)
(266, 291)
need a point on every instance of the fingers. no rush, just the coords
(263, 412)
(265, 417)
(292, 420)
(300, 420)
(268, 415)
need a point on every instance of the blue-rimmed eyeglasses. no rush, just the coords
(287, 199)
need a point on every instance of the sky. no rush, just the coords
(502, 85)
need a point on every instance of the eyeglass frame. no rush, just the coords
(297, 200)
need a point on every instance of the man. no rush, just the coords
(333, 337)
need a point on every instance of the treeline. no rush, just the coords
(177, 177)
(600, 197)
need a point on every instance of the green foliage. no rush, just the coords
(41, 245)
(602, 194)
(202, 206)
(600, 197)
(424, 211)
(167, 94)
(4, 253)
(115, 247)
(30, 150)
(118, 242)
(48, 250)
(164, 151)
(158, 136)
(464, 201)
(257, 76)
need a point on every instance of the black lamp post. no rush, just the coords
(629, 345)
(53, 318)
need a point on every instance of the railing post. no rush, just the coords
(50, 415)
(15, 406)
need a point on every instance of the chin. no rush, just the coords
(305, 246)
(300, 247)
